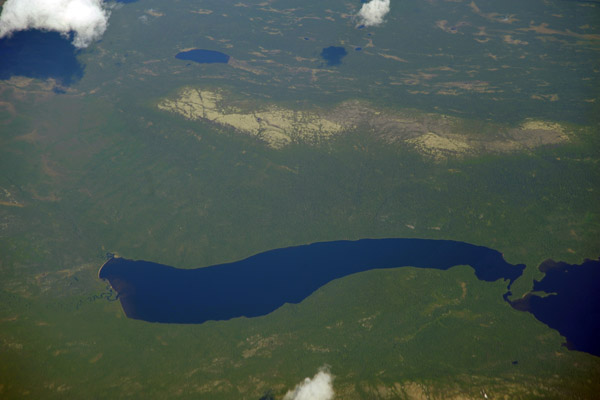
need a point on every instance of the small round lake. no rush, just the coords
(203, 56)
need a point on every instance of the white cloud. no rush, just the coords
(372, 13)
(87, 19)
(320, 387)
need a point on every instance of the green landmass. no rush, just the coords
(501, 150)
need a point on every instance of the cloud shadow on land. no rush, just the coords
(40, 55)
(333, 55)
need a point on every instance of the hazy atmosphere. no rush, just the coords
(293, 200)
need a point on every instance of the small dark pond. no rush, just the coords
(572, 303)
(40, 55)
(333, 55)
(203, 56)
(264, 282)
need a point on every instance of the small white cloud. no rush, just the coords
(320, 387)
(86, 19)
(373, 12)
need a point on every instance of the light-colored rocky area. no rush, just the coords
(434, 135)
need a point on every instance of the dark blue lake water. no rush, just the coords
(39, 55)
(572, 305)
(262, 283)
(203, 56)
(333, 55)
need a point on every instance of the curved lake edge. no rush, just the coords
(260, 284)
(570, 304)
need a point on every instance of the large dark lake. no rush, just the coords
(262, 283)
(568, 299)
(40, 55)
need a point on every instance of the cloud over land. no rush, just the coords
(320, 387)
(86, 19)
(373, 12)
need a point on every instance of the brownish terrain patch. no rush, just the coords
(435, 135)
(260, 346)
(7, 199)
(543, 29)
(8, 107)
(493, 16)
